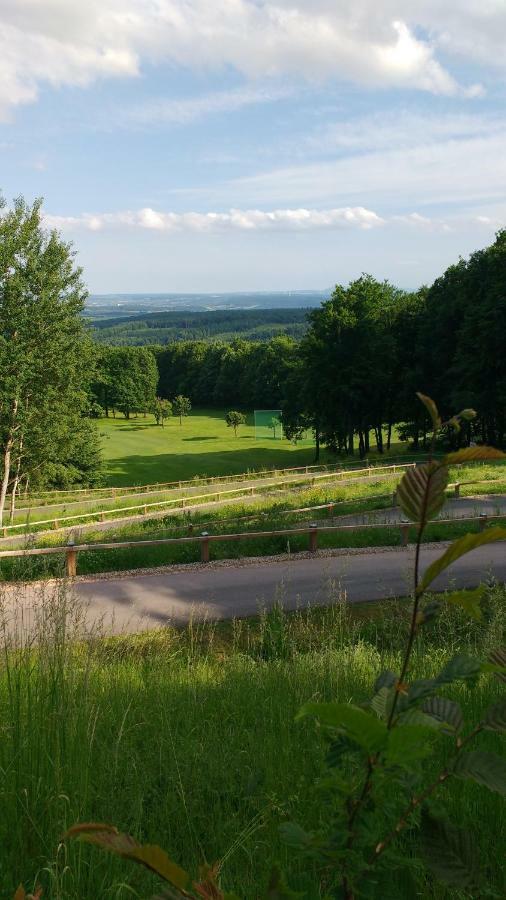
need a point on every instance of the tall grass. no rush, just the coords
(187, 738)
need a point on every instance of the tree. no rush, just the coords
(45, 353)
(181, 406)
(274, 424)
(161, 409)
(234, 419)
(127, 379)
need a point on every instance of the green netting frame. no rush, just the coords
(268, 424)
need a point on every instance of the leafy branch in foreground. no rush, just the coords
(379, 754)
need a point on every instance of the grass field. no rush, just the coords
(140, 452)
(188, 739)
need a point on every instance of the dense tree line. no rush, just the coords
(222, 325)
(368, 349)
(355, 373)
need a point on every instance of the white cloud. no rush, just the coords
(466, 171)
(255, 220)
(234, 220)
(394, 43)
(180, 112)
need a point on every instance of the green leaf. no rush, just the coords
(149, 855)
(422, 687)
(431, 408)
(460, 668)
(470, 454)
(415, 716)
(292, 834)
(381, 703)
(407, 745)
(446, 712)
(495, 716)
(484, 768)
(467, 414)
(358, 725)
(338, 748)
(469, 601)
(459, 548)
(421, 491)
(449, 853)
(385, 679)
(498, 660)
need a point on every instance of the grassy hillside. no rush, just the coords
(164, 327)
(140, 452)
(188, 739)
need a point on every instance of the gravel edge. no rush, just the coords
(248, 561)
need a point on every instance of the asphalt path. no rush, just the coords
(141, 601)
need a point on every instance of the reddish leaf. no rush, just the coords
(421, 491)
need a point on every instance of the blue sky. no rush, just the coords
(189, 145)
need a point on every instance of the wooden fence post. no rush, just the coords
(313, 538)
(457, 489)
(404, 534)
(71, 561)
(482, 521)
(204, 548)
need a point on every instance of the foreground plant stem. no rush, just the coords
(372, 760)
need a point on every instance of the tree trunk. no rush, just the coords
(361, 444)
(317, 445)
(389, 435)
(378, 433)
(351, 443)
(367, 441)
(7, 454)
(15, 484)
(6, 473)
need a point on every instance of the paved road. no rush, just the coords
(488, 504)
(140, 602)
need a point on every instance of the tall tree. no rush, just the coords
(181, 406)
(45, 355)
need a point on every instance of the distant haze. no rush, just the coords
(101, 306)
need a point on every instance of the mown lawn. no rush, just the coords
(140, 452)
(188, 739)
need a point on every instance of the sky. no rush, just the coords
(227, 145)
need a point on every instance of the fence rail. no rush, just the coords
(373, 472)
(205, 540)
(213, 479)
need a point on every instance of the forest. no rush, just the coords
(353, 375)
(224, 325)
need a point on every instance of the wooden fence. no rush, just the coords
(245, 476)
(205, 540)
(182, 502)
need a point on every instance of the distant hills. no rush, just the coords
(218, 325)
(116, 306)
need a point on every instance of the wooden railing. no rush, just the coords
(183, 502)
(205, 540)
(213, 479)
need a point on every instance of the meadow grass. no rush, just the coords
(138, 451)
(188, 739)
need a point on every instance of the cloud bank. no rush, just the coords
(395, 43)
(234, 220)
